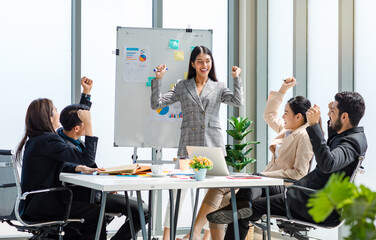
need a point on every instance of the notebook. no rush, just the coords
(213, 153)
(124, 169)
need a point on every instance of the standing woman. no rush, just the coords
(43, 157)
(200, 96)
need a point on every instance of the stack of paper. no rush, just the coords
(124, 169)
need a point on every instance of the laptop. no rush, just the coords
(213, 153)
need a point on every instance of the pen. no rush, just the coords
(155, 70)
(297, 83)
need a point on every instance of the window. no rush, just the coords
(99, 22)
(322, 69)
(35, 61)
(280, 50)
(364, 72)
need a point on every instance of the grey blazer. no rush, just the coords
(200, 125)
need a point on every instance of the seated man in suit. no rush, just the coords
(346, 142)
(73, 128)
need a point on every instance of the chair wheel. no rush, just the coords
(154, 238)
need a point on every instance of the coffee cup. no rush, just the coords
(157, 169)
(184, 164)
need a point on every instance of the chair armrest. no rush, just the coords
(295, 187)
(8, 185)
(300, 188)
(5, 152)
(57, 189)
(288, 180)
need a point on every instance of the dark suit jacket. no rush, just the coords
(81, 194)
(43, 161)
(339, 154)
(70, 167)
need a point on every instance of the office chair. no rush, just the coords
(10, 198)
(298, 228)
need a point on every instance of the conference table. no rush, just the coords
(113, 183)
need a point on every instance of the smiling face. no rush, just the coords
(202, 65)
(292, 121)
(335, 121)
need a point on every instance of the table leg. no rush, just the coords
(141, 214)
(172, 230)
(268, 212)
(194, 214)
(101, 216)
(129, 213)
(150, 222)
(177, 204)
(235, 214)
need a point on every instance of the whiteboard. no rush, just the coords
(138, 52)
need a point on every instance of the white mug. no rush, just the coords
(156, 169)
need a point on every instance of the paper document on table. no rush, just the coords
(244, 177)
(143, 170)
(125, 169)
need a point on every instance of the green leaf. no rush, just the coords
(235, 156)
(244, 134)
(234, 134)
(240, 146)
(248, 151)
(357, 206)
(231, 122)
(321, 207)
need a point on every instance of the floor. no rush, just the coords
(14, 235)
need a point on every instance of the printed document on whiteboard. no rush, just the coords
(136, 64)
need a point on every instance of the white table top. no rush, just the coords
(121, 183)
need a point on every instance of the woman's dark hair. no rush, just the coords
(69, 117)
(195, 52)
(37, 120)
(353, 104)
(299, 104)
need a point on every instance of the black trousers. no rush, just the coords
(257, 197)
(86, 230)
(115, 203)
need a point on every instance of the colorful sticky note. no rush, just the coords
(192, 48)
(186, 75)
(148, 83)
(173, 44)
(179, 55)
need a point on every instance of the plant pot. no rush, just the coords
(200, 174)
(239, 171)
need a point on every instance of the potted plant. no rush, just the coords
(200, 165)
(236, 153)
(357, 206)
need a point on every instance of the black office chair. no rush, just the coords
(10, 198)
(298, 228)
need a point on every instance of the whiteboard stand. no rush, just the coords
(156, 159)
(156, 156)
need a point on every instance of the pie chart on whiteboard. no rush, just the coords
(142, 58)
(163, 111)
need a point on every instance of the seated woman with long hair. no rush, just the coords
(291, 153)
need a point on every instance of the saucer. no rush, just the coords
(157, 175)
